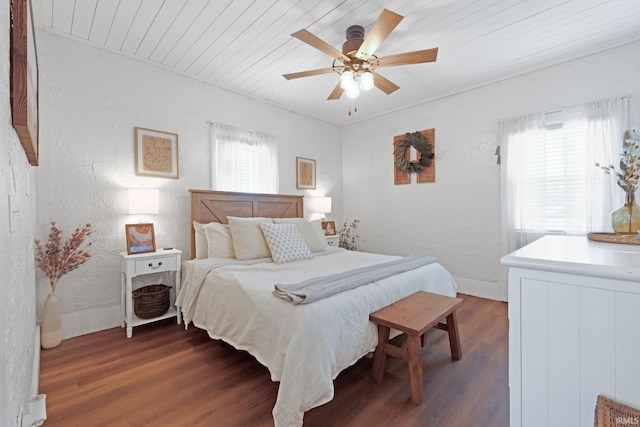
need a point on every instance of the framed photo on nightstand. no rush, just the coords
(140, 238)
(329, 228)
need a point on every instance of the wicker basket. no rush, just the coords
(610, 413)
(151, 301)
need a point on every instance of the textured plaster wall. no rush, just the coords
(91, 100)
(17, 287)
(457, 218)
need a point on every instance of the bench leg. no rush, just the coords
(414, 353)
(454, 336)
(379, 356)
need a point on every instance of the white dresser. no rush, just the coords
(574, 329)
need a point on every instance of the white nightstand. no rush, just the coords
(333, 240)
(149, 263)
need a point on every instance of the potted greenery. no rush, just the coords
(56, 259)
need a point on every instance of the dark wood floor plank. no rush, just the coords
(167, 376)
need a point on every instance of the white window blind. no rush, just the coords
(553, 194)
(243, 161)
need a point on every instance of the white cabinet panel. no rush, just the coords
(597, 348)
(564, 355)
(534, 326)
(627, 334)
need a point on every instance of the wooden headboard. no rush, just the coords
(216, 206)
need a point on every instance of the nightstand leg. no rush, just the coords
(129, 307)
(122, 300)
(176, 281)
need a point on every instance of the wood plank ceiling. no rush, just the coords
(245, 45)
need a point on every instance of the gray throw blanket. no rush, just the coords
(321, 287)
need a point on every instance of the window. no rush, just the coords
(550, 184)
(243, 161)
(552, 198)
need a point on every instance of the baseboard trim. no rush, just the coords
(35, 369)
(479, 288)
(86, 322)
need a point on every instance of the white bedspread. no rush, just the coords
(304, 346)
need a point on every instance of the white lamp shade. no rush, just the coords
(144, 201)
(324, 204)
(366, 81)
(320, 205)
(346, 80)
(353, 91)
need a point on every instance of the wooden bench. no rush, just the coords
(414, 315)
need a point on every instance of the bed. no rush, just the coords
(303, 346)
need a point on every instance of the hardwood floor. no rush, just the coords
(166, 376)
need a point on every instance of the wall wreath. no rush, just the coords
(418, 141)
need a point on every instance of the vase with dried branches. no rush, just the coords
(626, 219)
(57, 258)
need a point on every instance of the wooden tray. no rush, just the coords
(626, 239)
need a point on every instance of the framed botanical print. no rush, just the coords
(156, 153)
(305, 173)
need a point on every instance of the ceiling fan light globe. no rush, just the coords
(346, 79)
(353, 91)
(366, 81)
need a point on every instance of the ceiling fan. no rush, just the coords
(357, 63)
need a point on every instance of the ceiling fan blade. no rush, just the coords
(336, 93)
(386, 23)
(310, 73)
(321, 45)
(416, 57)
(385, 85)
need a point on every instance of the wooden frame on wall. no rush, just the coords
(429, 173)
(305, 174)
(24, 79)
(156, 153)
(140, 238)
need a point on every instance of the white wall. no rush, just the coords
(457, 218)
(17, 287)
(91, 100)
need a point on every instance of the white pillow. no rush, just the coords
(213, 240)
(202, 247)
(248, 240)
(315, 243)
(317, 228)
(285, 242)
(219, 240)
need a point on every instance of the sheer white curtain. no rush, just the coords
(242, 160)
(549, 183)
(518, 136)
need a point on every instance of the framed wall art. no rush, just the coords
(24, 79)
(140, 238)
(305, 173)
(156, 153)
